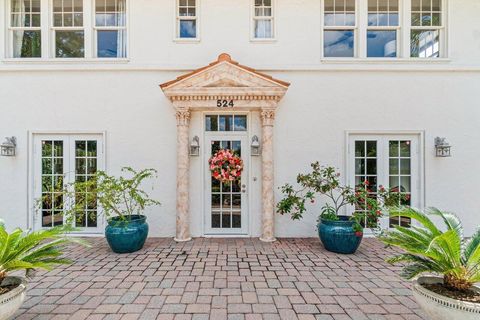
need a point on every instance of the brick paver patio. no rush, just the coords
(222, 279)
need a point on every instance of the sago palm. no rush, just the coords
(429, 249)
(27, 250)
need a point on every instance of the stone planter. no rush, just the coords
(127, 235)
(11, 301)
(439, 307)
(338, 236)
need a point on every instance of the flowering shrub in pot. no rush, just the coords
(338, 233)
(27, 250)
(451, 262)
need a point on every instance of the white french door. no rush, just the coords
(392, 161)
(59, 160)
(226, 204)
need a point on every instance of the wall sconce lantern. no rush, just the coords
(8, 147)
(255, 146)
(442, 148)
(195, 147)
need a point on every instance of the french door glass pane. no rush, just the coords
(85, 169)
(226, 122)
(400, 176)
(366, 168)
(52, 183)
(226, 198)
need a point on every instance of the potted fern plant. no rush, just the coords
(27, 250)
(451, 262)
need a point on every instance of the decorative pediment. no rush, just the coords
(223, 80)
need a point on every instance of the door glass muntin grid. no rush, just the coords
(85, 168)
(226, 199)
(52, 174)
(400, 175)
(366, 169)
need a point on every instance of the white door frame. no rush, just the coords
(226, 135)
(35, 166)
(417, 157)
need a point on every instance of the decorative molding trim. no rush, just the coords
(183, 117)
(268, 117)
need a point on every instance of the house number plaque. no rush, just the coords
(225, 104)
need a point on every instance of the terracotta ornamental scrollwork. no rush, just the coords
(224, 83)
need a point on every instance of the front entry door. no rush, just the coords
(226, 210)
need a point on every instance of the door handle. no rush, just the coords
(244, 188)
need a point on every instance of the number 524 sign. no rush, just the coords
(225, 104)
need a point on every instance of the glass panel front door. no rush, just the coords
(226, 202)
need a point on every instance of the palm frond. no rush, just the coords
(419, 216)
(450, 219)
(472, 244)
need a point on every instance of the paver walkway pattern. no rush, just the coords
(222, 279)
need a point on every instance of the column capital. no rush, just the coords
(183, 117)
(268, 117)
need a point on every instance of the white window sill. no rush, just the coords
(385, 60)
(66, 60)
(263, 40)
(186, 40)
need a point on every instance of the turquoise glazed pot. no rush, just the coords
(338, 236)
(128, 234)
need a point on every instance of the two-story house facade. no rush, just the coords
(364, 85)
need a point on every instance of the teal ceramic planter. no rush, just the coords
(338, 236)
(127, 235)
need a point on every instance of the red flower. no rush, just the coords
(359, 234)
(379, 213)
(366, 183)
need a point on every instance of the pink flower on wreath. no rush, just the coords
(226, 166)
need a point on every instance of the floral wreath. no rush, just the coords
(225, 166)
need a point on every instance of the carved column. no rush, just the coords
(268, 205)
(183, 218)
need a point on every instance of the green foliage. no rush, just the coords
(117, 196)
(428, 249)
(27, 250)
(325, 181)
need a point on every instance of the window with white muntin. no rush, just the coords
(426, 28)
(385, 29)
(62, 29)
(263, 25)
(187, 19)
(339, 31)
(25, 29)
(110, 29)
(68, 29)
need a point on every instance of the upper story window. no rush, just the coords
(339, 28)
(427, 26)
(263, 19)
(24, 29)
(383, 27)
(68, 29)
(187, 19)
(110, 28)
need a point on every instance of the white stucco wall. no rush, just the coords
(324, 101)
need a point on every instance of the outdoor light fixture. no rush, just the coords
(195, 147)
(255, 146)
(8, 147)
(442, 148)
